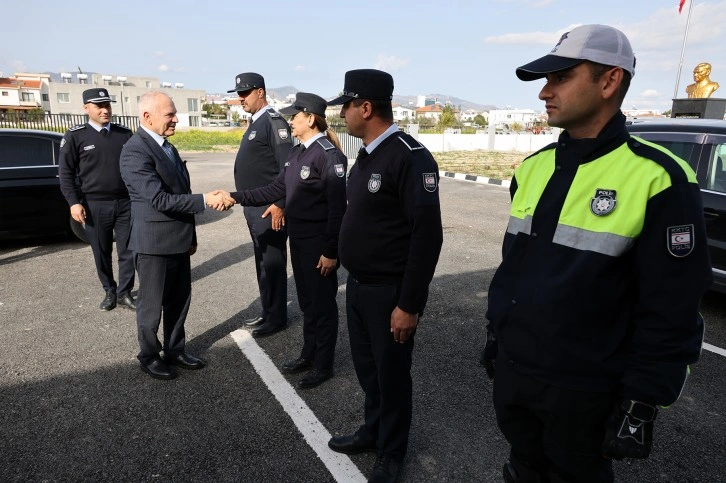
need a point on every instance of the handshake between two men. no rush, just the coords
(219, 200)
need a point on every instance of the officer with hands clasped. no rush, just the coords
(313, 186)
(593, 312)
(90, 179)
(262, 155)
(390, 242)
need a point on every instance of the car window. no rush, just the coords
(717, 169)
(17, 151)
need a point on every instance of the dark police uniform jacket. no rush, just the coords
(263, 152)
(604, 263)
(391, 231)
(313, 183)
(89, 164)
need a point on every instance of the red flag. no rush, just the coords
(680, 6)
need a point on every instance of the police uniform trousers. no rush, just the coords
(165, 289)
(555, 431)
(270, 249)
(102, 219)
(316, 296)
(382, 365)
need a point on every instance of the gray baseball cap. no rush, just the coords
(597, 43)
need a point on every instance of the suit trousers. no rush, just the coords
(102, 219)
(165, 287)
(552, 430)
(382, 365)
(316, 296)
(270, 248)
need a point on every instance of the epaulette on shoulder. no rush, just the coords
(325, 143)
(274, 114)
(410, 142)
(78, 127)
(121, 126)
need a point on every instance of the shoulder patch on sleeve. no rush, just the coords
(78, 127)
(325, 143)
(410, 142)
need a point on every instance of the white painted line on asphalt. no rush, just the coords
(714, 349)
(339, 465)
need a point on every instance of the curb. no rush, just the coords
(475, 179)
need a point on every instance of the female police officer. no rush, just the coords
(313, 183)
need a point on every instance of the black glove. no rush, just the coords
(489, 355)
(629, 431)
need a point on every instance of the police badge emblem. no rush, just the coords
(603, 203)
(305, 172)
(339, 170)
(253, 134)
(282, 133)
(429, 182)
(680, 240)
(374, 184)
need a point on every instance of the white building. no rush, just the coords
(401, 113)
(504, 119)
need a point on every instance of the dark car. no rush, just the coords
(31, 202)
(701, 142)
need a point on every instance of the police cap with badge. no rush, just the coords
(247, 81)
(96, 96)
(306, 102)
(369, 84)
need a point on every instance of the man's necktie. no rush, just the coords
(172, 156)
(104, 131)
(362, 153)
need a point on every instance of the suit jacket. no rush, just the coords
(162, 206)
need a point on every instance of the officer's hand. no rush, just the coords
(629, 431)
(278, 216)
(78, 212)
(489, 355)
(403, 325)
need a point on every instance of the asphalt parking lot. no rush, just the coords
(76, 407)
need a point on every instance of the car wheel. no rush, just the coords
(78, 230)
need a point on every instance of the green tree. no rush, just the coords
(235, 118)
(481, 120)
(448, 118)
(35, 114)
(215, 110)
(517, 126)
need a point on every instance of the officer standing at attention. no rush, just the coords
(593, 312)
(90, 180)
(390, 241)
(313, 185)
(261, 156)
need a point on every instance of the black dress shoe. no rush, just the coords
(298, 365)
(314, 378)
(256, 322)
(385, 470)
(267, 329)
(109, 301)
(159, 369)
(127, 301)
(351, 444)
(185, 361)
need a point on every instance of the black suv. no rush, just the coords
(701, 142)
(31, 202)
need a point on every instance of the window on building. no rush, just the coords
(113, 98)
(5, 93)
(64, 97)
(45, 97)
(27, 97)
(82, 81)
(148, 84)
(193, 104)
(193, 121)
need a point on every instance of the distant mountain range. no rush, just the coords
(283, 92)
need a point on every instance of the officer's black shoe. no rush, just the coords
(352, 444)
(385, 470)
(255, 322)
(185, 361)
(314, 378)
(109, 301)
(298, 365)
(127, 301)
(159, 369)
(267, 329)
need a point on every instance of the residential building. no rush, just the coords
(23, 94)
(402, 113)
(505, 119)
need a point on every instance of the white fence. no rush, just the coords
(519, 142)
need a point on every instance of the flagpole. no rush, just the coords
(683, 50)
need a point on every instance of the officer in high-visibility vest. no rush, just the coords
(593, 312)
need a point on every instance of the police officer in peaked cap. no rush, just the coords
(261, 157)
(90, 180)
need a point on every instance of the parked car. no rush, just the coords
(31, 202)
(701, 142)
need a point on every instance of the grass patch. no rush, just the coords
(490, 164)
(208, 141)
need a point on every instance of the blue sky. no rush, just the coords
(466, 49)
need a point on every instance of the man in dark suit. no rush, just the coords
(163, 235)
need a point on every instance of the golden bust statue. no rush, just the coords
(703, 87)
